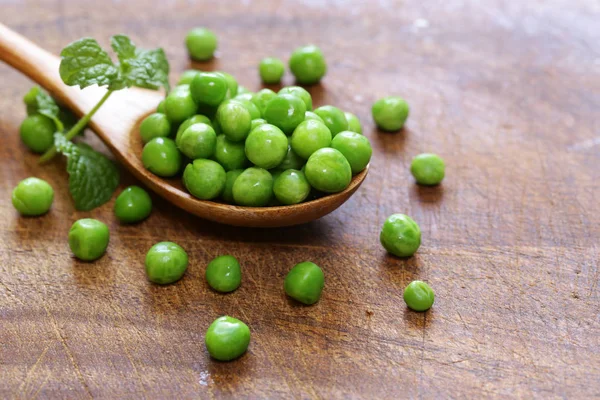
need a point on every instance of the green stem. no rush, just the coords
(78, 127)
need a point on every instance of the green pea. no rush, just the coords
(271, 70)
(353, 122)
(266, 146)
(285, 111)
(133, 205)
(161, 157)
(291, 187)
(231, 155)
(428, 169)
(32, 197)
(305, 283)
(166, 262)
(333, 118)
(161, 107)
(224, 274)
(179, 104)
(227, 338)
(310, 136)
(245, 100)
(253, 188)
(234, 119)
(291, 160)
(355, 147)
(256, 123)
(312, 115)
(187, 77)
(209, 88)
(205, 179)
(261, 98)
(299, 92)
(196, 119)
(390, 113)
(419, 296)
(198, 141)
(37, 132)
(88, 239)
(201, 43)
(227, 194)
(400, 235)
(328, 170)
(155, 125)
(308, 65)
(231, 83)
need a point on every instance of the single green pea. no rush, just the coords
(256, 123)
(187, 77)
(312, 115)
(245, 100)
(198, 141)
(285, 111)
(161, 157)
(227, 338)
(227, 194)
(310, 136)
(300, 92)
(271, 70)
(161, 107)
(308, 65)
(179, 104)
(390, 113)
(355, 147)
(88, 239)
(205, 179)
(419, 296)
(305, 282)
(291, 187)
(253, 188)
(234, 119)
(166, 262)
(400, 235)
(155, 125)
(291, 160)
(201, 44)
(334, 119)
(261, 98)
(328, 170)
(231, 155)
(353, 122)
(231, 83)
(133, 205)
(37, 132)
(32, 197)
(224, 274)
(428, 169)
(266, 146)
(196, 119)
(209, 88)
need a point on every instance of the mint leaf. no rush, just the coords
(93, 178)
(40, 102)
(84, 63)
(123, 46)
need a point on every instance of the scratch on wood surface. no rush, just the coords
(37, 392)
(32, 369)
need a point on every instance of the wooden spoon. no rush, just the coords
(117, 124)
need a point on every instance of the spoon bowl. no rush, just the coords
(117, 124)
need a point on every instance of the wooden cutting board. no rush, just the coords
(506, 92)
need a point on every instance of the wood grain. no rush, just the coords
(506, 92)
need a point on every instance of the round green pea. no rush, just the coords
(308, 65)
(161, 107)
(328, 170)
(155, 125)
(209, 88)
(231, 155)
(428, 169)
(201, 44)
(32, 197)
(161, 157)
(310, 136)
(166, 262)
(334, 119)
(312, 115)
(291, 187)
(231, 83)
(271, 70)
(291, 160)
(266, 146)
(256, 123)
(299, 92)
(305, 282)
(133, 205)
(253, 188)
(198, 141)
(179, 104)
(400, 235)
(355, 147)
(224, 274)
(245, 100)
(227, 194)
(227, 338)
(353, 122)
(88, 239)
(37, 132)
(261, 98)
(390, 113)
(205, 179)
(419, 296)
(234, 119)
(187, 77)
(196, 119)
(285, 111)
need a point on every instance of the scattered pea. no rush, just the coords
(37, 132)
(305, 282)
(308, 65)
(88, 239)
(428, 169)
(400, 235)
(32, 197)
(133, 205)
(166, 262)
(227, 338)
(390, 113)
(201, 44)
(271, 70)
(419, 296)
(224, 274)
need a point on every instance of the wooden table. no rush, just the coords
(506, 92)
